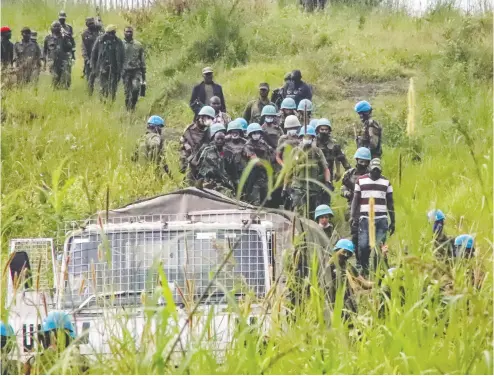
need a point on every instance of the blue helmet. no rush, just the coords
(313, 123)
(310, 131)
(243, 123)
(465, 241)
(305, 104)
(321, 122)
(215, 128)
(234, 125)
(269, 110)
(344, 244)
(207, 111)
(362, 106)
(322, 210)
(254, 127)
(6, 330)
(436, 215)
(288, 104)
(157, 121)
(58, 320)
(363, 153)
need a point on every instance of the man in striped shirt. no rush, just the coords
(377, 186)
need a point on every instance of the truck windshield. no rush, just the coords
(129, 261)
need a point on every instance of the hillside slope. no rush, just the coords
(61, 151)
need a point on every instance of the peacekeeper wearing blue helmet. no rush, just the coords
(443, 245)
(8, 365)
(59, 356)
(369, 135)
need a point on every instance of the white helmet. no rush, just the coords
(292, 122)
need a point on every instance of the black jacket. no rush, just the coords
(198, 98)
(298, 92)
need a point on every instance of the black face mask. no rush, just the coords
(362, 167)
(375, 174)
(324, 136)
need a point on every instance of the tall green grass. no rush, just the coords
(62, 151)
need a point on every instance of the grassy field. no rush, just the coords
(62, 150)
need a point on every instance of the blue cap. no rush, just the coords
(362, 106)
(465, 241)
(344, 244)
(6, 330)
(322, 210)
(58, 320)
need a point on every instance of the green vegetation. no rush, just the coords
(61, 151)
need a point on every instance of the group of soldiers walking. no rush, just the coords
(287, 142)
(107, 58)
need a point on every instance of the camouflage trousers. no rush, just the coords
(305, 204)
(256, 188)
(27, 74)
(61, 74)
(108, 85)
(132, 80)
(90, 76)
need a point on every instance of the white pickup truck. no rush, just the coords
(137, 273)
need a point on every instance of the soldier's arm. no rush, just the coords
(185, 151)
(84, 49)
(222, 97)
(341, 158)
(356, 202)
(344, 191)
(373, 137)
(323, 163)
(248, 112)
(194, 98)
(14, 56)
(94, 53)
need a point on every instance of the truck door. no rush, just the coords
(32, 277)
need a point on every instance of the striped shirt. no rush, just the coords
(373, 188)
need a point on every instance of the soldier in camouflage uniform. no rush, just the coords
(213, 166)
(288, 107)
(370, 134)
(292, 124)
(332, 151)
(67, 30)
(59, 333)
(150, 145)
(27, 58)
(89, 37)
(363, 158)
(37, 71)
(134, 69)
(286, 144)
(194, 136)
(234, 144)
(308, 163)
(107, 59)
(56, 53)
(271, 130)
(253, 110)
(256, 188)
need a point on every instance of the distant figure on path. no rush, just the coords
(204, 91)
